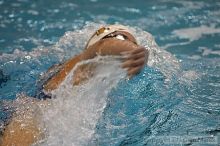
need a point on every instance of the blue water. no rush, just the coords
(144, 109)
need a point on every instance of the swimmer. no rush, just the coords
(109, 40)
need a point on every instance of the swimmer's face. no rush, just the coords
(123, 35)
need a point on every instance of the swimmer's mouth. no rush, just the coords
(118, 35)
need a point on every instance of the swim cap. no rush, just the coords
(104, 31)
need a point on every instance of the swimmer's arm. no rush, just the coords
(134, 60)
(23, 129)
(55, 81)
(109, 47)
(21, 133)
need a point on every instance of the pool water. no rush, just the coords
(175, 100)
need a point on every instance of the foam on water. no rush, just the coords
(195, 33)
(206, 51)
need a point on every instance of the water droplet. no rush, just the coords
(29, 21)
(2, 41)
(42, 28)
(11, 15)
(27, 57)
(33, 12)
(19, 19)
(56, 10)
(154, 8)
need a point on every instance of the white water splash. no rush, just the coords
(71, 117)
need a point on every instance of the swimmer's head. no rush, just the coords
(117, 31)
